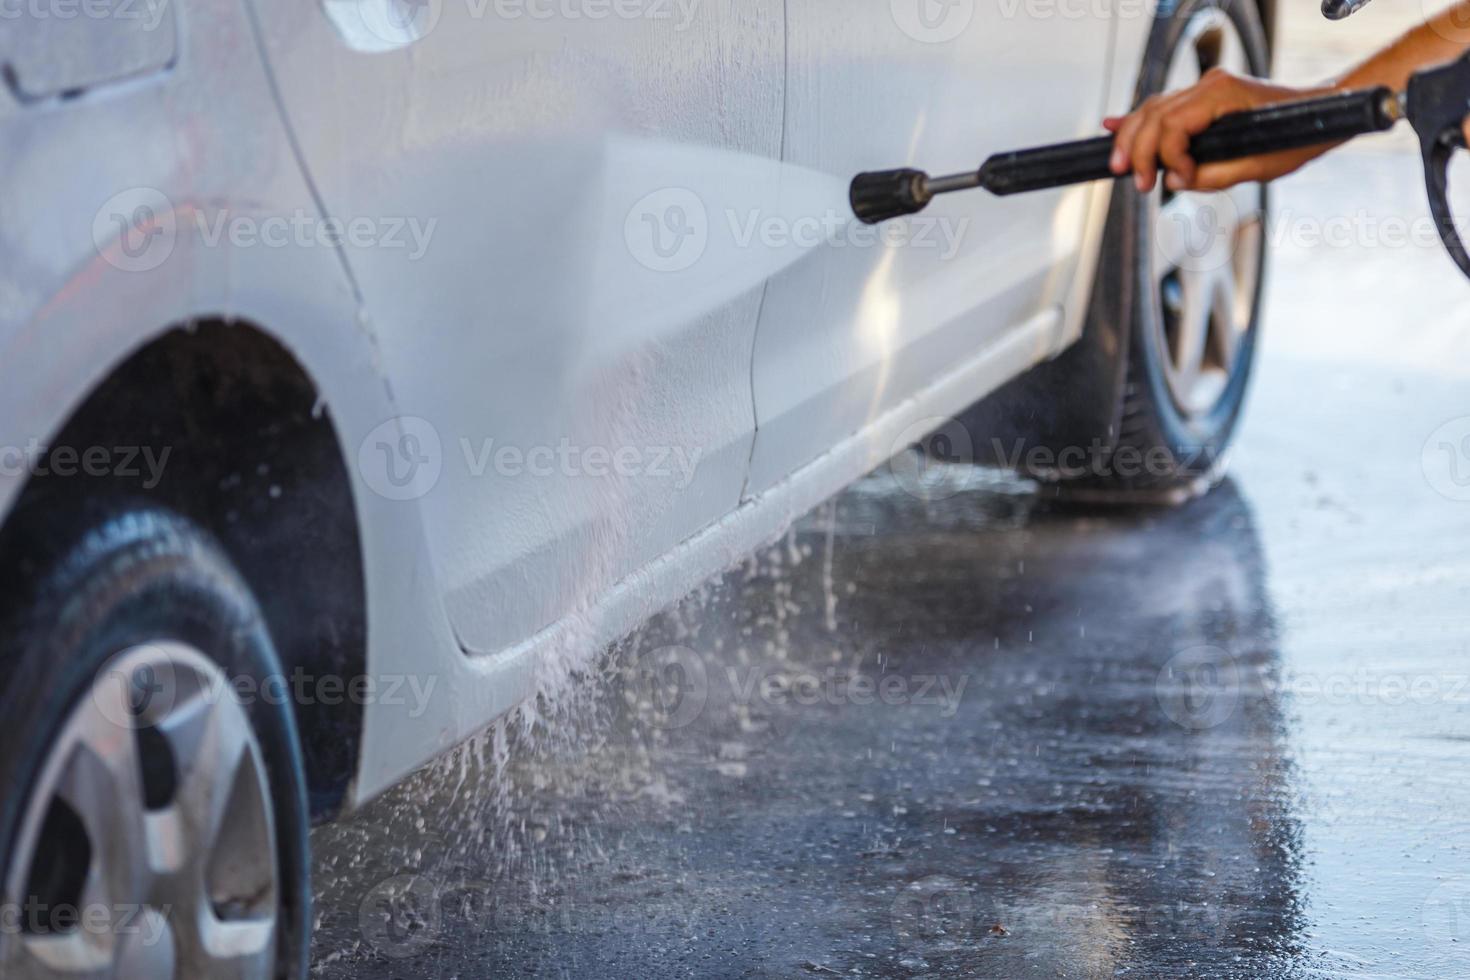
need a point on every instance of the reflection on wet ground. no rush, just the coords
(983, 736)
(965, 737)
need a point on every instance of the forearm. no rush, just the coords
(1439, 39)
(1430, 43)
(1161, 129)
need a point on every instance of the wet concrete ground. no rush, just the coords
(985, 736)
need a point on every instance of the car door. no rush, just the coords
(864, 321)
(570, 356)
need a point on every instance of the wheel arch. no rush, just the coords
(242, 443)
(1076, 398)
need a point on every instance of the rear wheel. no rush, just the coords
(1198, 275)
(1142, 408)
(153, 818)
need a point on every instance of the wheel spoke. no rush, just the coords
(1225, 326)
(1207, 246)
(237, 948)
(222, 811)
(77, 955)
(1195, 231)
(1232, 54)
(1249, 202)
(170, 791)
(1172, 231)
(209, 736)
(1192, 329)
(1183, 73)
(102, 784)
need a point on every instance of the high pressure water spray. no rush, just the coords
(1436, 104)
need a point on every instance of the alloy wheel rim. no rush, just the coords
(1208, 247)
(147, 847)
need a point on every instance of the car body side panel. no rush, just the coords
(855, 330)
(206, 137)
(54, 49)
(580, 392)
(109, 204)
(486, 686)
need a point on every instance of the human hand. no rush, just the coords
(1158, 133)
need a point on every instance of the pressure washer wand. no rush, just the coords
(885, 194)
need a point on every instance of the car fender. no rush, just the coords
(119, 204)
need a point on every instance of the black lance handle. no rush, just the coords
(879, 195)
(1285, 126)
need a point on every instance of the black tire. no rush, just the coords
(1099, 423)
(1191, 448)
(82, 591)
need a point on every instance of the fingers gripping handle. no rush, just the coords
(1288, 126)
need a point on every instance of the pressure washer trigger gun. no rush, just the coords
(1436, 104)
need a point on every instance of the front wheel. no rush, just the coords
(153, 818)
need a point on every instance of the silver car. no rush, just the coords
(370, 365)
